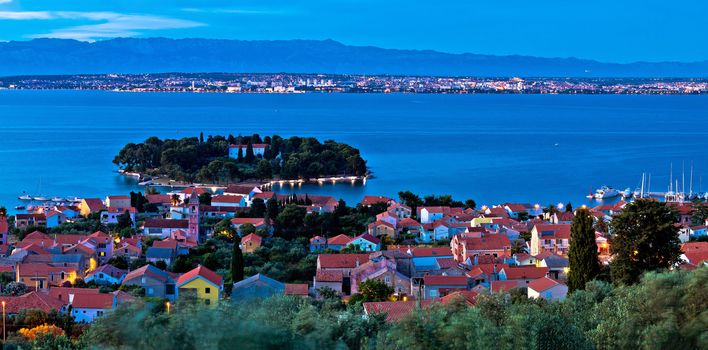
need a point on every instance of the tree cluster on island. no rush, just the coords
(196, 159)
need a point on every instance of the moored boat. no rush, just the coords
(605, 192)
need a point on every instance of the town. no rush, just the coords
(301, 83)
(68, 266)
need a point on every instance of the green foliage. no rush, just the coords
(644, 239)
(582, 256)
(283, 260)
(374, 290)
(188, 159)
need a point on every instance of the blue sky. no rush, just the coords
(606, 30)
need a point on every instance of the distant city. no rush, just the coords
(301, 83)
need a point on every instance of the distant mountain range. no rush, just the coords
(160, 55)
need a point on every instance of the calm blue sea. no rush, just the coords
(492, 148)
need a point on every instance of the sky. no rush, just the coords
(606, 30)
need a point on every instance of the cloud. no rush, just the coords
(112, 24)
(5, 1)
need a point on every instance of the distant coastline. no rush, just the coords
(295, 83)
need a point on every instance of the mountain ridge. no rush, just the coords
(162, 55)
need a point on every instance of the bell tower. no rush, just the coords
(193, 216)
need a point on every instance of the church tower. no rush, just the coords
(193, 216)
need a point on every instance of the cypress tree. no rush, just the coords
(240, 154)
(584, 265)
(237, 263)
(250, 157)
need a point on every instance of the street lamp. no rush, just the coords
(166, 304)
(3, 321)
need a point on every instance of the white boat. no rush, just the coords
(637, 193)
(57, 199)
(19, 207)
(605, 192)
(25, 197)
(73, 199)
(40, 199)
(626, 193)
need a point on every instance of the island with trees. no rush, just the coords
(229, 159)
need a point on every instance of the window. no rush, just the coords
(103, 254)
(387, 279)
(150, 291)
(207, 301)
(84, 311)
(207, 290)
(99, 313)
(434, 293)
(62, 275)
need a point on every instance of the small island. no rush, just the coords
(229, 159)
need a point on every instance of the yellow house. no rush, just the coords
(250, 242)
(200, 285)
(477, 222)
(90, 205)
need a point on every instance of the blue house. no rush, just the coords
(366, 243)
(256, 287)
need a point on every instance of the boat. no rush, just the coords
(637, 193)
(590, 194)
(73, 199)
(20, 207)
(57, 199)
(626, 193)
(40, 199)
(25, 197)
(606, 192)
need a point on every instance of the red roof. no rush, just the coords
(252, 237)
(301, 289)
(370, 200)
(524, 272)
(445, 280)
(329, 276)
(31, 300)
(341, 239)
(694, 247)
(226, 199)
(197, 190)
(488, 242)
(62, 293)
(560, 231)
(470, 297)
(394, 310)
(542, 284)
(203, 272)
(94, 204)
(446, 263)
(158, 198)
(406, 222)
(165, 243)
(339, 261)
(166, 223)
(369, 238)
(92, 301)
(503, 286)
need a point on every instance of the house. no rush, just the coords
(469, 297)
(258, 150)
(382, 228)
(163, 228)
(86, 307)
(365, 243)
(297, 289)
(425, 258)
(4, 230)
(554, 238)
(91, 205)
(468, 248)
(438, 286)
(257, 286)
(390, 267)
(431, 214)
(547, 288)
(228, 201)
(43, 275)
(102, 243)
(318, 243)
(106, 275)
(201, 285)
(33, 300)
(258, 223)
(161, 201)
(155, 282)
(338, 242)
(525, 274)
(400, 210)
(343, 264)
(695, 254)
(111, 214)
(329, 279)
(250, 242)
(55, 218)
(557, 265)
(22, 221)
(118, 201)
(154, 255)
(127, 250)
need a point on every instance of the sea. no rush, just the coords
(536, 149)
